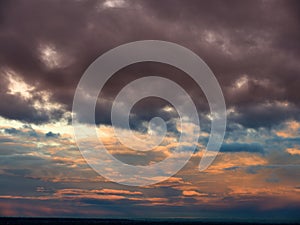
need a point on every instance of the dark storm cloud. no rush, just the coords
(26, 131)
(242, 147)
(17, 108)
(50, 134)
(264, 115)
(29, 132)
(256, 39)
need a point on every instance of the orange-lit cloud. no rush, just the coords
(293, 151)
(291, 130)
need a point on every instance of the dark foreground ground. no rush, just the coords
(68, 221)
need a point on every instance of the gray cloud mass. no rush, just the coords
(251, 46)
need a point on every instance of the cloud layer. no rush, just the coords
(251, 46)
(253, 53)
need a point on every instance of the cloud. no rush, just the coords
(293, 151)
(254, 55)
(192, 193)
(242, 147)
(36, 51)
(25, 131)
(289, 130)
(50, 134)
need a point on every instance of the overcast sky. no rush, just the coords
(252, 47)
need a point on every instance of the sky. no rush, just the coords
(253, 49)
